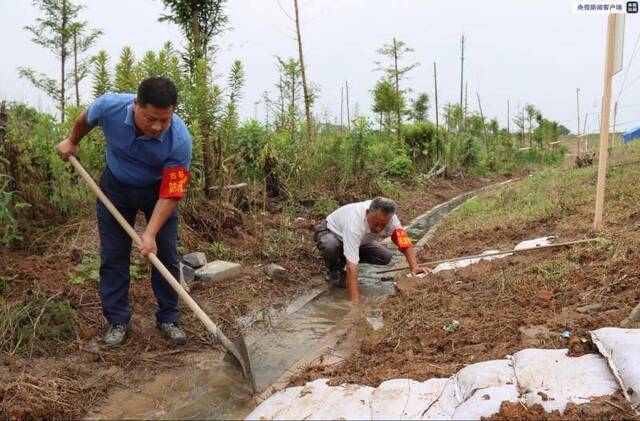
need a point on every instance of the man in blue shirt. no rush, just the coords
(148, 158)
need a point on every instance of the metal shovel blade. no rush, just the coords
(241, 359)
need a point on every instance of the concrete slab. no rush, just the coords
(195, 260)
(218, 270)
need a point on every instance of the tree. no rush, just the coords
(83, 39)
(420, 107)
(125, 78)
(200, 21)
(53, 30)
(395, 52)
(519, 120)
(532, 114)
(289, 88)
(101, 76)
(384, 101)
(305, 90)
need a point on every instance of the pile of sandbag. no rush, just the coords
(548, 377)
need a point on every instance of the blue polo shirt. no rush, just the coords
(134, 158)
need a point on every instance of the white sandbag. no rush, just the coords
(486, 402)
(482, 375)
(553, 379)
(620, 347)
(536, 242)
(436, 400)
(389, 400)
(317, 400)
(270, 407)
(459, 264)
(406, 399)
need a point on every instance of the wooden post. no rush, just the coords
(604, 126)
(613, 134)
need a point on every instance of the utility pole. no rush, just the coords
(466, 105)
(346, 83)
(341, 106)
(307, 105)
(435, 82)
(508, 118)
(613, 63)
(578, 109)
(461, 69)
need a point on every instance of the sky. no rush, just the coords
(521, 51)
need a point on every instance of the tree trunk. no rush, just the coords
(292, 106)
(395, 64)
(307, 106)
(75, 67)
(63, 57)
(207, 153)
(346, 83)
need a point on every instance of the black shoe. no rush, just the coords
(342, 283)
(116, 335)
(332, 276)
(173, 332)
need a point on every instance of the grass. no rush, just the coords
(40, 326)
(549, 195)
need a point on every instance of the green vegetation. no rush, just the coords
(274, 156)
(37, 326)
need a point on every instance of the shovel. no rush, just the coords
(236, 347)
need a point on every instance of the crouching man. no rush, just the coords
(351, 234)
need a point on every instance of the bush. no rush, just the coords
(399, 166)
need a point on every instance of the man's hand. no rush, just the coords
(66, 148)
(419, 269)
(148, 244)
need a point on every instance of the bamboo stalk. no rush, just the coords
(497, 253)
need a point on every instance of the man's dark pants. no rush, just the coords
(332, 251)
(115, 251)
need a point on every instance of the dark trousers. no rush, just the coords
(331, 249)
(115, 251)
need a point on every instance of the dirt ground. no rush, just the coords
(509, 304)
(61, 379)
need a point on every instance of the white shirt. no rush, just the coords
(349, 223)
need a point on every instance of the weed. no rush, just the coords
(40, 326)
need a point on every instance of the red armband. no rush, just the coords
(174, 180)
(401, 239)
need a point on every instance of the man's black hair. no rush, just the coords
(157, 91)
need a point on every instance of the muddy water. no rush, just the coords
(211, 389)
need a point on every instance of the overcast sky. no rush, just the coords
(525, 51)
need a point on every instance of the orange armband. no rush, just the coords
(401, 239)
(174, 180)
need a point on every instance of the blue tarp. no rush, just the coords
(631, 135)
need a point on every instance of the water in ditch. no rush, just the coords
(211, 389)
